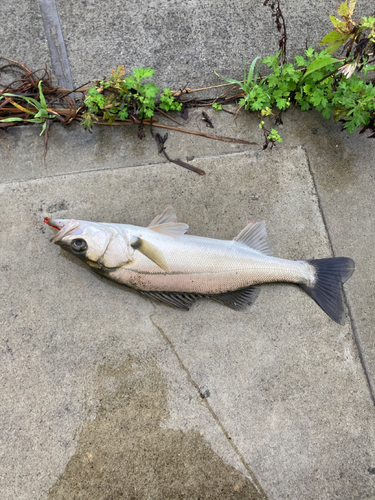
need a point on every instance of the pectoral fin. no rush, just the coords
(151, 252)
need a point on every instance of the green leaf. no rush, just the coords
(130, 82)
(43, 127)
(281, 103)
(251, 71)
(351, 6)
(42, 113)
(123, 114)
(148, 113)
(93, 91)
(319, 64)
(305, 106)
(230, 80)
(309, 52)
(151, 90)
(335, 45)
(41, 95)
(342, 9)
(30, 100)
(337, 23)
(332, 36)
(141, 73)
(16, 119)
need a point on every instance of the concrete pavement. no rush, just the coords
(105, 394)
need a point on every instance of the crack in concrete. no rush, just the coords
(208, 406)
(56, 43)
(346, 301)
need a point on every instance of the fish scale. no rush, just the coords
(200, 265)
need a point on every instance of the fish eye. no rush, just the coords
(78, 246)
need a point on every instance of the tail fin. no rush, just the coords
(327, 290)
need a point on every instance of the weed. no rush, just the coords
(120, 97)
(333, 86)
(41, 114)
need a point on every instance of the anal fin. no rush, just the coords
(239, 299)
(179, 300)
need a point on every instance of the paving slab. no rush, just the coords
(342, 167)
(102, 384)
(343, 170)
(186, 42)
(72, 149)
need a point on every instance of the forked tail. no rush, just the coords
(327, 289)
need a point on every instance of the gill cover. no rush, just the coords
(117, 253)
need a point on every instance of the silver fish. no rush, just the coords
(164, 263)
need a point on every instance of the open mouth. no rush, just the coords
(47, 221)
(63, 228)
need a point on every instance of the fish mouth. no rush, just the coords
(53, 223)
(63, 228)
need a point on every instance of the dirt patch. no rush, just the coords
(123, 453)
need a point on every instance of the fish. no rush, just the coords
(164, 263)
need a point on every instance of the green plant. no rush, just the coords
(217, 106)
(270, 135)
(334, 86)
(120, 97)
(40, 113)
(274, 136)
(168, 102)
(254, 96)
(348, 31)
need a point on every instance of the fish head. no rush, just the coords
(99, 245)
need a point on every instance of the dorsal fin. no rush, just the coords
(166, 223)
(173, 229)
(254, 235)
(167, 215)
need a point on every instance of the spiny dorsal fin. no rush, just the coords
(167, 215)
(166, 223)
(173, 229)
(254, 235)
